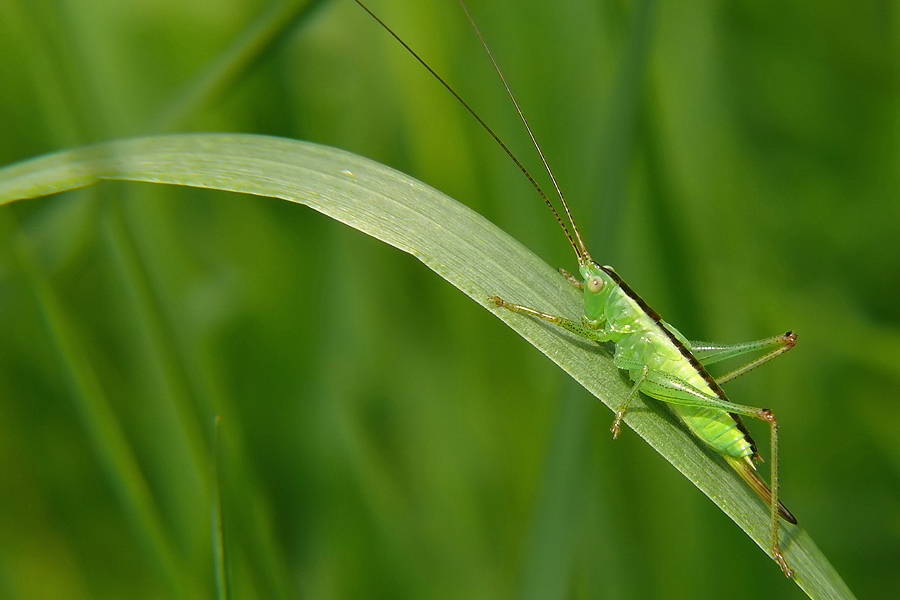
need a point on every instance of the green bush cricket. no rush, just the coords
(662, 363)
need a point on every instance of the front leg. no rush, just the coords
(574, 281)
(579, 329)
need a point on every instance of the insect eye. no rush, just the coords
(595, 284)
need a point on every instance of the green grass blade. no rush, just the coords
(247, 49)
(220, 555)
(104, 429)
(458, 244)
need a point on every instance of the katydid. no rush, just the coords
(660, 361)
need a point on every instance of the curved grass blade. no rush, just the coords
(455, 242)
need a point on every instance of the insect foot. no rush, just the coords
(779, 558)
(616, 423)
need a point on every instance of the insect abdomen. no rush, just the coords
(642, 339)
(717, 428)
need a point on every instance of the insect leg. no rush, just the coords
(708, 353)
(620, 413)
(572, 279)
(598, 335)
(668, 388)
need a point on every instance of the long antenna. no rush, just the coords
(583, 251)
(580, 250)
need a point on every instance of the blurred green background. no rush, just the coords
(382, 436)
